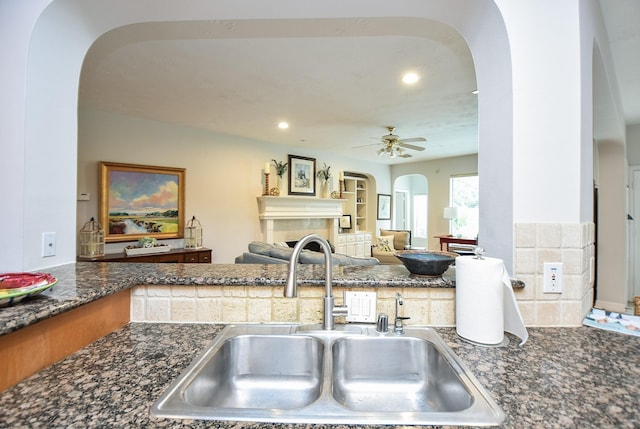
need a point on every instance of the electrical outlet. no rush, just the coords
(48, 244)
(552, 277)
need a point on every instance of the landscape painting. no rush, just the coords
(141, 201)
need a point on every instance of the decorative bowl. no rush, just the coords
(426, 263)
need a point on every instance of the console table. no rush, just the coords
(446, 240)
(190, 256)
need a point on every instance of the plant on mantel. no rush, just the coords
(281, 168)
(324, 174)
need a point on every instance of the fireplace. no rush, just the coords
(289, 218)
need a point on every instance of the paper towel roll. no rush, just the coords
(485, 304)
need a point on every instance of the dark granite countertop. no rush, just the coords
(561, 378)
(83, 282)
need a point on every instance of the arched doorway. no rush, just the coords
(411, 207)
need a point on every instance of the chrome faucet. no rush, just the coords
(291, 286)
(398, 328)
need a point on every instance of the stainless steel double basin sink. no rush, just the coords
(350, 375)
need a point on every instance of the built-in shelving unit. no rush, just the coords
(355, 194)
(355, 241)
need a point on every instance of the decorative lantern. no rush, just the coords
(91, 240)
(193, 234)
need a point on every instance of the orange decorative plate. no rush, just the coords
(14, 287)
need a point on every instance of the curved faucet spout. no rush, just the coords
(291, 286)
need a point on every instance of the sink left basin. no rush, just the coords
(249, 371)
(245, 372)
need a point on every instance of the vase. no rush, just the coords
(324, 189)
(279, 184)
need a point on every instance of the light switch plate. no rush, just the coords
(362, 306)
(48, 244)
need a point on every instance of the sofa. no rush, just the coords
(265, 253)
(387, 243)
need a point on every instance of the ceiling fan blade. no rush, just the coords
(365, 145)
(410, 146)
(413, 139)
(405, 155)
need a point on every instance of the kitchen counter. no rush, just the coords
(84, 282)
(561, 378)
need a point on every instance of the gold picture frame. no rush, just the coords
(141, 201)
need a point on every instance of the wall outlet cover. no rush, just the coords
(552, 277)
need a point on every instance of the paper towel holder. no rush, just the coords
(478, 251)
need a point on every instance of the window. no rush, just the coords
(465, 196)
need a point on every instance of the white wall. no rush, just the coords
(223, 177)
(17, 20)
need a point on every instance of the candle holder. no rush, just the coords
(266, 184)
(341, 187)
(91, 240)
(193, 234)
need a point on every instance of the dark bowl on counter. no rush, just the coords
(426, 263)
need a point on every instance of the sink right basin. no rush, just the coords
(395, 374)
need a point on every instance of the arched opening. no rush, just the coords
(50, 120)
(411, 207)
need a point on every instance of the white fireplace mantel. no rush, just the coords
(273, 210)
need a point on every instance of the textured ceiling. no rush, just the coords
(337, 82)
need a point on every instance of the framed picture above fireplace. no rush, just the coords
(302, 175)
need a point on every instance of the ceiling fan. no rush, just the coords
(394, 146)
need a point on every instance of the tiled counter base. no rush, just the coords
(562, 378)
(266, 304)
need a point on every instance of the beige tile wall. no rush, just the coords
(571, 244)
(264, 304)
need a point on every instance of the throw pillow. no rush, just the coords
(385, 244)
(400, 238)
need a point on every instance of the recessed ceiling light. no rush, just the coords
(410, 78)
(283, 125)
